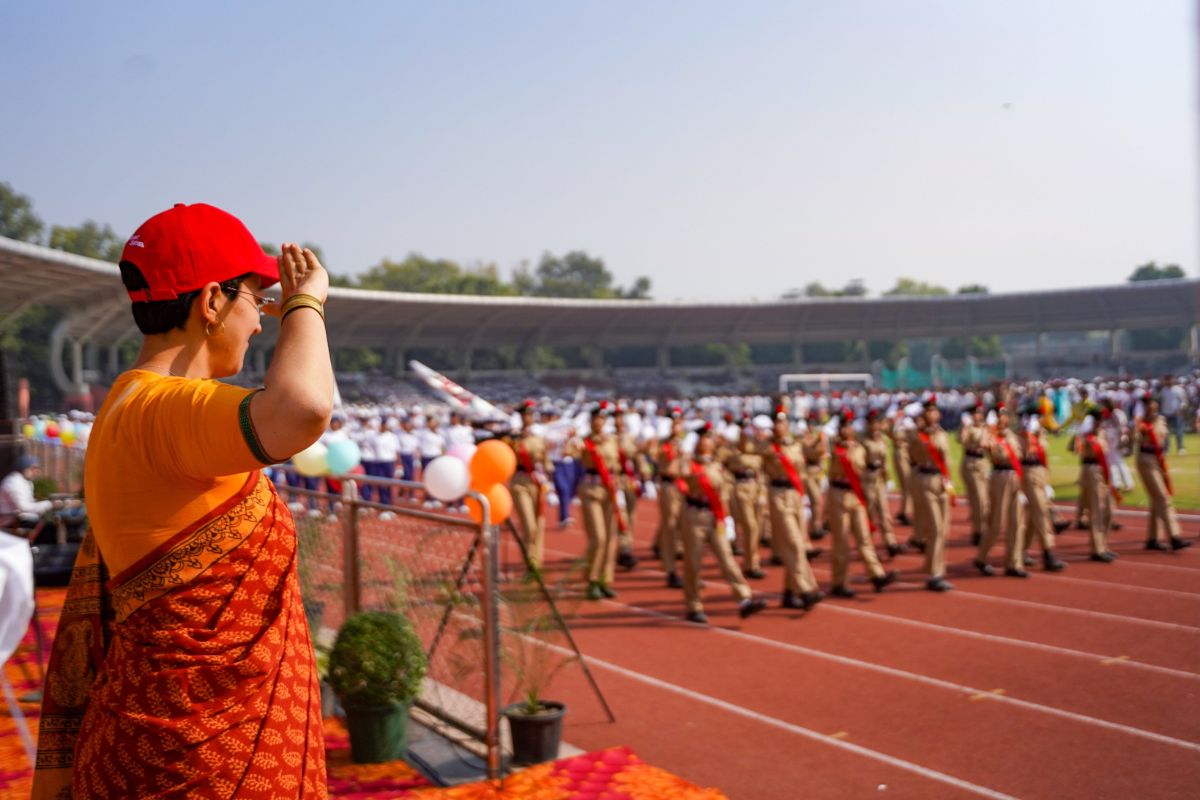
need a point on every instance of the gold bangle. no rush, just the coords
(301, 301)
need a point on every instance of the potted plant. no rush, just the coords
(534, 722)
(376, 668)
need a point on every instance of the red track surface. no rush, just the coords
(1082, 684)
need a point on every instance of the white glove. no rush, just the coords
(650, 490)
(621, 500)
(552, 499)
(1049, 492)
(730, 530)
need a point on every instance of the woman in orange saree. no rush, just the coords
(183, 666)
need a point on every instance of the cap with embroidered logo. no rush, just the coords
(185, 247)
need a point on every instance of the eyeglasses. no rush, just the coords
(259, 300)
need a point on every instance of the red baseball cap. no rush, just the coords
(185, 247)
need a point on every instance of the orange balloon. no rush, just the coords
(493, 462)
(499, 503)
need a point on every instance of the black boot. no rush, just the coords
(817, 534)
(985, 568)
(894, 550)
(755, 574)
(1179, 544)
(751, 606)
(673, 581)
(916, 545)
(976, 538)
(810, 599)
(698, 617)
(1155, 544)
(1015, 572)
(887, 579)
(791, 601)
(844, 591)
(1051, 563)
(626, 559)
(938, 584)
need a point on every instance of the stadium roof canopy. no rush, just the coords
(97, 307)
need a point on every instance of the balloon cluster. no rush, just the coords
(339, 457)
(60, 430)
(483, 469)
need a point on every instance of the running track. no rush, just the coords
(1080, 684)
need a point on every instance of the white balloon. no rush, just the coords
(447, 478)
(311, 461)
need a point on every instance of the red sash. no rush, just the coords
(1148, 432)
(852, 478)
(1102, 463)
(1012, 458)
(940, 462)
(607, 479)
(710, 493)
(669, 451)
(1036, 444)
(934, 454)
(788, 467)
(631, 473)
(527, 463)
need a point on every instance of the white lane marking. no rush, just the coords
(1083, 612)
(807, 733)
(957, 688)
(1127, 587)
(991, 637)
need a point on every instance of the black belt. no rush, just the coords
(1002, 467)
(694, 503)
(844, 485)
(745, 475)
(924, 470)
(1031, 463)
(1147, 452)
(782, 484)
(1090, 461)
(521, 469)
(973, 453)
(664, 479)
(592, 471)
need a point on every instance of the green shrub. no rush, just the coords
(377, 659)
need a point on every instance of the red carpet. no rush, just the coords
(612, 774)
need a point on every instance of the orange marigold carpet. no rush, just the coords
(612, 774)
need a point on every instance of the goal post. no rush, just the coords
(825, 381)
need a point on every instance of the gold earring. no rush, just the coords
(208, 328)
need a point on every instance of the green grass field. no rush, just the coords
(1064, 474)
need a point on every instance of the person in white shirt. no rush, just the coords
(387, 448)
(459, 432)
(18, 508)
(408, 448)
(1171, 404)
(365, 437)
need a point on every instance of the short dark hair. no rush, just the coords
(161, 316)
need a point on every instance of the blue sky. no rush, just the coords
(725, 150)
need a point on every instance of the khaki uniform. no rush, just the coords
(787, 516)
(1099, 496)
(1163, 522)
(815, 449)
(628, 484)
(903, 469)
(930, 497)
(875, 486)
(599, 510)
(745, 462)
(701, 527)
(848, 515)
(1038, 520)
(527, 489)
(974, 473)
(1004, 497)
(669, 464)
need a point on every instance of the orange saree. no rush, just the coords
(191, 673)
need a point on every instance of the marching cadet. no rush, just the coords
(903, 468)
(1150, 438)
(704, 523)
(1004, 498)
(782, 461)
(815, 449)
(928, 448)
(529, 483)
(1039, 522)
(669, 463)
(875, 481)
(601, 461)
(744, 462)
(973, 469)
(629, 484)
(1093, 460)
(847, 510)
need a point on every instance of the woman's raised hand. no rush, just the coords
(299, 273)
